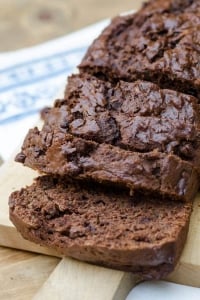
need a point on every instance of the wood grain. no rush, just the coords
(76, 280)
(23, 273)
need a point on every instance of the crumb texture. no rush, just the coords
(75, 219)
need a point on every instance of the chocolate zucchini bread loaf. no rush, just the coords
(132, 134)
(160, 43)
(94, 224)
(129, 120)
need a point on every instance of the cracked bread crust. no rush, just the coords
(144, 236)
(129, 134)
(137, 116)
(160, 44)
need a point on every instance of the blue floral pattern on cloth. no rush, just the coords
(27, 87)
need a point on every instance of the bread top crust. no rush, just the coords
(160, 43)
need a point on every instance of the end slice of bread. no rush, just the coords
(101, 226)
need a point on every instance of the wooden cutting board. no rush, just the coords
(22, 273)
(70, 273)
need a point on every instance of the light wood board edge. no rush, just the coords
(11, 238)
(77, 280)
(22, 273)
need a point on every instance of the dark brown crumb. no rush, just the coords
(95, 224)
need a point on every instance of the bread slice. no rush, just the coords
(132, 134)
(166, 176)
(160, 43)
(137, 116)
(102, 226)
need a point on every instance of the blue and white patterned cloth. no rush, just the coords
(31, 78)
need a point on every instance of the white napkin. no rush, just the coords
(29, 80)
(160, 290)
